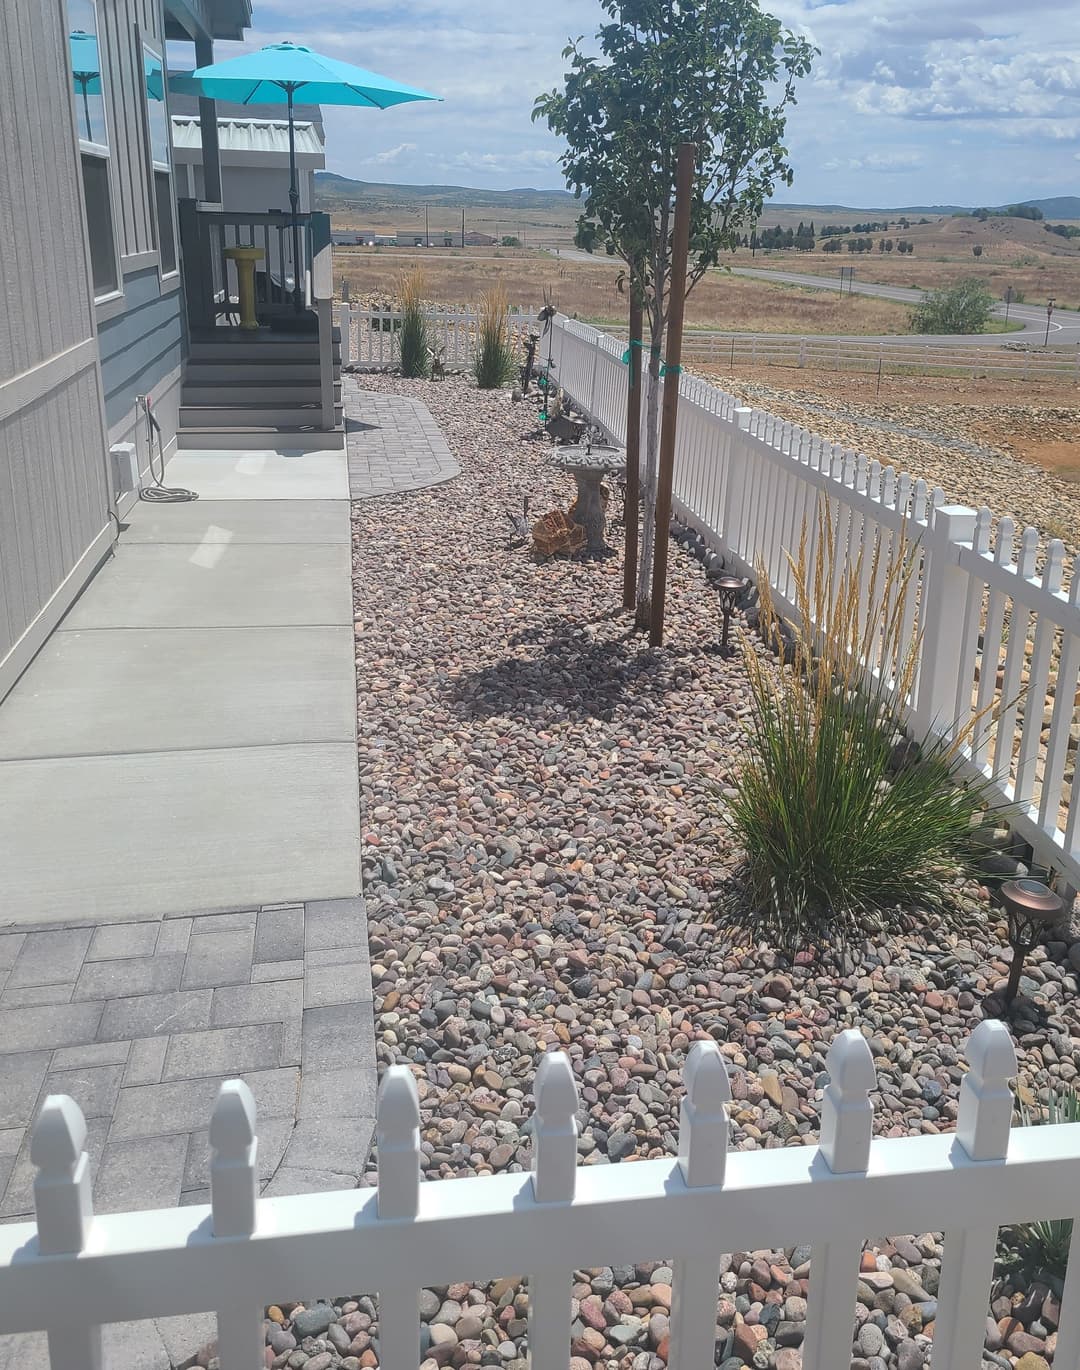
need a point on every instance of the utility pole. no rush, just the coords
(427, 230)
(1049, 312)
(632, 497)
(680, 248)
(1008, 301)
(463, 228)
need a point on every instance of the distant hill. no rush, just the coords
(1058, 206)
(1055, 207)
(334, 192)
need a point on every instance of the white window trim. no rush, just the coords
(103, 152)
(169, 278)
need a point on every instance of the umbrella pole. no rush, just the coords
(294, 201)
(83, 81)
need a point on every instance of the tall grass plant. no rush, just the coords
(413, 338)
(837, 835)
(494, 365)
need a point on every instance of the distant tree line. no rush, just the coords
(871, 226)
(773, 239)
(1009, 212)
(902, 245)
(1063, 230)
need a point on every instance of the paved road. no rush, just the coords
(1064, 326)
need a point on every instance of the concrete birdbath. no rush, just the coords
(589, 464)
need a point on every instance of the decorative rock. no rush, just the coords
(870, 1340)
(1031, 1361)
(747, 1339)
(312, 1322)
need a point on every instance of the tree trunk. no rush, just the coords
(648, 486)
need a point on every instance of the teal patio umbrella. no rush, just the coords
(274, 75)
(86, 69)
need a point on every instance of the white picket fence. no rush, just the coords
(998, 637)
(726, 351)
(370, 337)
(74, 1271)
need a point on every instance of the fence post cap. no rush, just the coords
(554, 1088)
(232, 1123)
(59, 1137)
(399, 1103)
(984, 1115)
(850, 1064)
(991, 1053)
(705, 1078)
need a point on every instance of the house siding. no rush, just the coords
(54, 500)
(134, 220)
(142, 352)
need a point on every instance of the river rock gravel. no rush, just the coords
(544, 845)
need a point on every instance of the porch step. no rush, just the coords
(290, 373)
(289, 439)
(254, 390)
(248, 349)
(257, 415)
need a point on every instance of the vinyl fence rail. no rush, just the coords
(72, 1271)
(997, 635)
(369, 337)
(731, 351)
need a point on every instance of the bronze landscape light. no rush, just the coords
(729, 588)
(1032, 909)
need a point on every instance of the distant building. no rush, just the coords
(479, 240)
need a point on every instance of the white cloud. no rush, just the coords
(964, 101)
(393, 154)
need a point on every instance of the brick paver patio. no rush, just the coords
(393, 443)
(141, 1021)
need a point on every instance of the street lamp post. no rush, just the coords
(1049, 312)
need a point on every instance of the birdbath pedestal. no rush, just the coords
(245, 259)
(589, 464)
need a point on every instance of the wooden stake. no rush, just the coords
(633, 452)
(680, 248)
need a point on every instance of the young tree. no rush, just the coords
(717, 73)
(961, 308)
(977, 250)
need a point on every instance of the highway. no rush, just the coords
(1064, 324)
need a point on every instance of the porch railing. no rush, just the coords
(370, 337)
(73, 1270)
(210, 282)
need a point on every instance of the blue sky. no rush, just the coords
(911, 101)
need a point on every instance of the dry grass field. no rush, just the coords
(1015, 252)
(589, 290)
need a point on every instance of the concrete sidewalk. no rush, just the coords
(186, 739)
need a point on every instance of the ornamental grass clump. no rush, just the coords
(413, 337)
(838, 838)
(494, 365)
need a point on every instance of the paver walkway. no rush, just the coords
(393, 443)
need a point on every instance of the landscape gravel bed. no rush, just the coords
(544, 849)
(975, 452)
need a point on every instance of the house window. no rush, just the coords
(87, 70)
(157, 115)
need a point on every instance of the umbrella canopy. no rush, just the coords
(274, 74)
(85, 65)
(270, 75)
